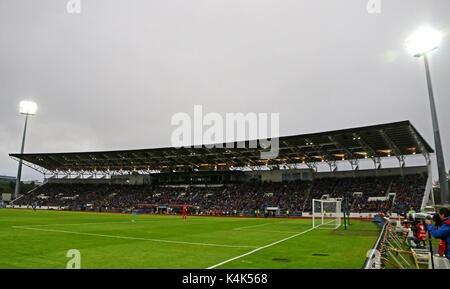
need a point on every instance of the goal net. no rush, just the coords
(326, 214)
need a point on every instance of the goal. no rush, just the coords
(326, 214)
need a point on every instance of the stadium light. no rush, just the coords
(421, 43)
(424, 40)
(27, 108)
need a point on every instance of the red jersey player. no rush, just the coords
(184, 213)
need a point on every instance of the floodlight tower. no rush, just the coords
(421, 43)
(27, 108)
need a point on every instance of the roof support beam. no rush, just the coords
(348, 154)
(420, 145)
(372, 153)
(393, 147)
(35, 167)
(325, 156)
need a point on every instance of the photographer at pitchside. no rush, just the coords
(443, 232)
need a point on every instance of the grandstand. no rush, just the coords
(234, 181)
(268, 203)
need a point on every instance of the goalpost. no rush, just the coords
(326, 214)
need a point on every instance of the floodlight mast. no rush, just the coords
(421, 43)
(27, 108)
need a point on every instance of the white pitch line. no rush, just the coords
(263, 247)
(47, 225)
(260, 248)
(267, 231)
(241, 228)
(97, 223)
(101, 223)
(132, 238)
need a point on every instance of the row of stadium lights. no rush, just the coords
(215, 166)
(322, 159)
(266, 164)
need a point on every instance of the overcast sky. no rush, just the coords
(112, 76)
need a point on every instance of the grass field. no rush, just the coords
(41, 239)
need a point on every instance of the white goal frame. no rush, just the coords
(327, 219)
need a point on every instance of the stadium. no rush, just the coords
(243, 212)
(223, 142)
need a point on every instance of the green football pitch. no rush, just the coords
(42, 239)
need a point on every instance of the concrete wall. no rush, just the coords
(373, 172)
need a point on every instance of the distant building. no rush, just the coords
(36, 182)
(7, 179)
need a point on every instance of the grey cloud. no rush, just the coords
(111, 77)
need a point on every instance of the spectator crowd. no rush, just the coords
(242, 199)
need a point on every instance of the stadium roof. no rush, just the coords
(396, 139)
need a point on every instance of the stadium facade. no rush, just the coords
(238, 164)
(7, 179)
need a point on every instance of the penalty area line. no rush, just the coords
(260, 248)
(131, 238)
